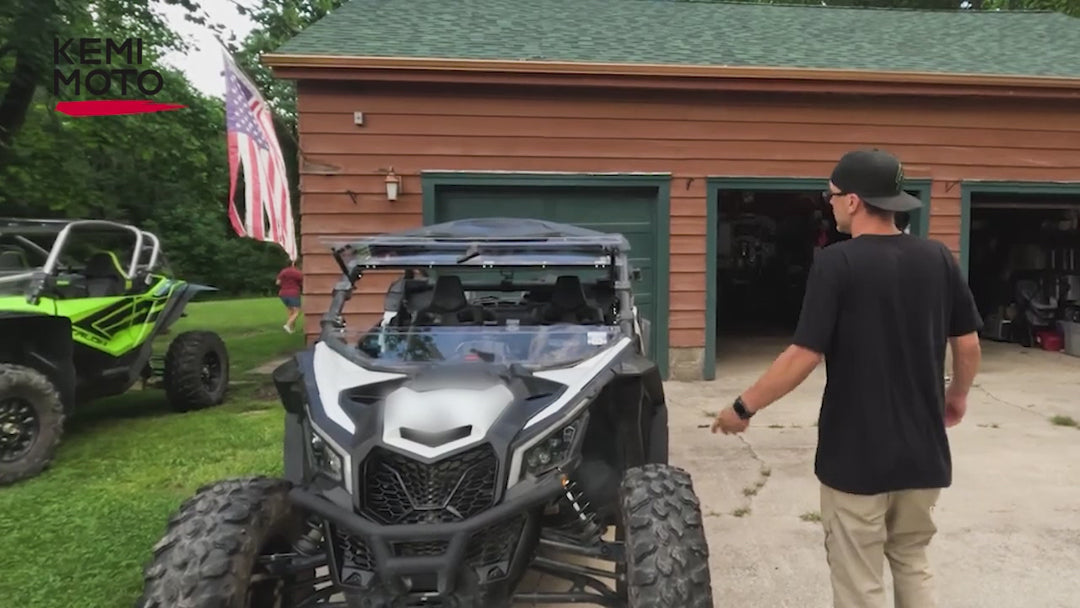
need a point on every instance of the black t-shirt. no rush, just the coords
(881, 309)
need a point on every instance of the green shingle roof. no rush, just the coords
(683, 32)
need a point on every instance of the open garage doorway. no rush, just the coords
(1022, 252)
(763, 237)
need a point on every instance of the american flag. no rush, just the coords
(253, 143)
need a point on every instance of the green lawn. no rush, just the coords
(78, 534)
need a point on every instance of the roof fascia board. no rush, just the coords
(853, 86)
(328, 67)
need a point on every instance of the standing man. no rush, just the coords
(879, 309)
(290, 283)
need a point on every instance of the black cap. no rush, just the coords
(877, 177)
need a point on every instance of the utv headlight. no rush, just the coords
(554, 449)
(325, 459)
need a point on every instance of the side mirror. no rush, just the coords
(290, 386)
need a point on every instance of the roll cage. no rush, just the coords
(145, 253)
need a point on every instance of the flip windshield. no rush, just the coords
(542, 346)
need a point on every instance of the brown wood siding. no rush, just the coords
(693, 136)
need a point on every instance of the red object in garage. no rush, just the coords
(1050, 340)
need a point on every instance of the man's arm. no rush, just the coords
(964, 325)
(817, 322)
(813, 336)
(967, 356)
(789, 370)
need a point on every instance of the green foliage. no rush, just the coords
(1068, 7)
(166, 172)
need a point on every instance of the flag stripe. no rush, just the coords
(234, 216)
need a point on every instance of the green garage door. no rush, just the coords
(632, 211)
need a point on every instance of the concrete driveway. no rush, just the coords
(1009, 528)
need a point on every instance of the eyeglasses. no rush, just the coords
(827, 195)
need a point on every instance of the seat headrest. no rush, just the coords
(101, 264)
(449, 295)
(568, 293)
(12, 260)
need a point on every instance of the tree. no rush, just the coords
(165, 172)
(1067, 7)
(29, 27)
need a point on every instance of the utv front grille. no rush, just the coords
(400, 490)
(354, 560)
(421, 548)
(494, 545)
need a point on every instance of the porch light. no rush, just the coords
(393, 185)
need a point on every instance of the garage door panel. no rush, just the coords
(628, 211)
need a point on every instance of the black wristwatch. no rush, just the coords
(740, 409)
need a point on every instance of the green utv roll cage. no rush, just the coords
(78, 322)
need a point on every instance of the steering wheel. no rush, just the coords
(480, 350)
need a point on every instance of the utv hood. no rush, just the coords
(434, 413)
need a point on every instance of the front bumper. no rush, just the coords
(404, 556)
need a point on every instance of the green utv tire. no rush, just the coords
(31, 423)
(196, 371)
(667, 555)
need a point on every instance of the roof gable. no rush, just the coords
(687, 32)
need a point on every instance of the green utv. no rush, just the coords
(81, 302)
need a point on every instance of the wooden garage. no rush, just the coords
(657, 117)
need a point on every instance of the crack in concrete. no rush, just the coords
(763, 473)
(1004, 402)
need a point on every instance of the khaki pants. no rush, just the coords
(861, 531)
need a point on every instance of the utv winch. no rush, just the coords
(501, 417)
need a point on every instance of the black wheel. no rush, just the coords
(31, 423)
(209, 555)
(196, 371)
(667, 555)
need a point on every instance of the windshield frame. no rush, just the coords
(334, 333)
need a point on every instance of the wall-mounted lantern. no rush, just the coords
(393, 185)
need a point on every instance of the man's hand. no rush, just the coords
(955, 406)
(729, 422)
(967, 354)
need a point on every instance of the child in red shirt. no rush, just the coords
(290, 281)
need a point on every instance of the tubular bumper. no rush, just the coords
(380, 538)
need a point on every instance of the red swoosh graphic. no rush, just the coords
(113, 107)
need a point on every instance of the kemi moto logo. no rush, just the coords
(105, 67)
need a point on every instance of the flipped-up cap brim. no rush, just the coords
(899, 202)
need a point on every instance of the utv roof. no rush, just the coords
(500, 241)
(40, 226)
(32, 226)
